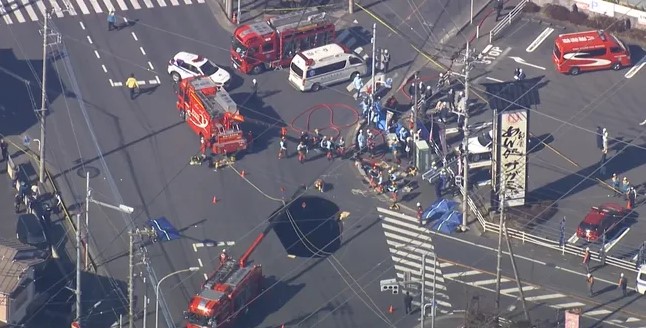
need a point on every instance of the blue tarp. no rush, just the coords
(437, 209)
(164, 229)
(448, 223)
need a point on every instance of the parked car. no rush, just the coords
(601, 218)
(480, 146)
(30, 230)
(184, 65)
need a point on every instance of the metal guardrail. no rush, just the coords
(507, 20)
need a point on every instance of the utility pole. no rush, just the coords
(131, 292)
(350, 6)
(145, 300)
(465, 142)
(433, 298)
(499, 255)
(78, 269)
(423, 289)
(415, 109)
(518, 283)
(87, 220)
(374, 61)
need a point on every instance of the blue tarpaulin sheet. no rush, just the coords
(437, 209)
(164, 229)
(448, 223)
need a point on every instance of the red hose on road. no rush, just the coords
(332, 125)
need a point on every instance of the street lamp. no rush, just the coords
(191, 269)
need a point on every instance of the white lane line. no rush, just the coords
(41, 7)
(134, 36)
(174, 2)
(159, 82)
(148, 3)
(58, 11)
(151, 66)
(83, 7)
(96, 53)
(398, 215)
(612, 244)
(188, 2)
(105, 70)
(201, 1)
(122, 5)
(142, 50)
(544, 297)
(400, 259)
(82, 26)
(194, 248)
(161, 3)
(5, 15)
(597, 312)
(420, 231)
(108, 5)
(152, 81)
(117, 84)
(494, 79)
(632, 319)
(633, 70)
(13, 7)
(486, 49)
(516, 290)
(406, 240)
(96, 7)
(573, 239)
(540, 39)
(206, 277)
(523, 62)
(30, 10)
(415, 273)
(488, 282)
(446, 265)
(199, 261)
(89, 39)
(568, 305)
(135, 4)
(141, 82)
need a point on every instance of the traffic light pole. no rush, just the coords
(465, 142)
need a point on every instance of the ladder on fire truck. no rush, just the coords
(297, 20)
(224, 271)
(216, 100)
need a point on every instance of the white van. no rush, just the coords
(323, 66)
(641, 280)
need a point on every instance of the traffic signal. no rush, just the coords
(390, 285)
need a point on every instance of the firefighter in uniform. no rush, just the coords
(302, 151)
(392, 189)
(282, 151)
(224, 256)
(371, 144)
(319, 184)
(328, 146)
(420, 214)
(340, 146)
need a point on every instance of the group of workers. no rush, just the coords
(331, 146)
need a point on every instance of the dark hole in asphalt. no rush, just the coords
(309, 227)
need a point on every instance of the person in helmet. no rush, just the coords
(519, 75)
(224, 256)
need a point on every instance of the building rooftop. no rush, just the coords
(11, 268)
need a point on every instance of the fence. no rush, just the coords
(507, 20)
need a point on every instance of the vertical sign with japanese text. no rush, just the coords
(513, 159)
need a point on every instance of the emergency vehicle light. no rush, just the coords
(309, 62)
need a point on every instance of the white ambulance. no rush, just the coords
(324, 66)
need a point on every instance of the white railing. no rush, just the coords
(507, 20)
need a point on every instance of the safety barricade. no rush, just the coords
(509, 18)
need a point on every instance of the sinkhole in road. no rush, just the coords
(308, 227)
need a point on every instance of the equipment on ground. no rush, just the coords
(212, 114)
(227, 293)
(272, 43)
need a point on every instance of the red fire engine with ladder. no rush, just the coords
(212, 114)
(227, 293)
(273, 43)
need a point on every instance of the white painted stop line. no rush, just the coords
(540, 39)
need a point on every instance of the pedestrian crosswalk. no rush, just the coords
(407, 241)
(353, 38)
(23, 11)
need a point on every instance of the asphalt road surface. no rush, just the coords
(566, 113)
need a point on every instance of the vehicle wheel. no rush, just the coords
(616, 66)
(258, 69)
(316, 87)
(575, 71)
(353, 76)
(175, 76)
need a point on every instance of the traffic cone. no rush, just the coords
(242, 173)
(215, 200)
(391, 309)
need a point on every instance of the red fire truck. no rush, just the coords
(212, 114)
(227, 293)
(273, 43)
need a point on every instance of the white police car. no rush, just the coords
(184, 65)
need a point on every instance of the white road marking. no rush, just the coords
(573, 239)
(96, 53)
(117, 84)
(41, 8)
(544, 297)
(30, 10)
(632, 319)
(201, 1)
(199, 261)
(82, 26)
(134, 36)
(148, 3)
(96, 7)
(206, 277)
(486, 49)
(174, 2)
(446, 265)
(151, 65)
(83, 7)
(194, 248)
(105, 70)
(488, 282)
(108, 5)
(612, 244)
(598, 312)
(516, 290)
(135, 4)
(633, 70)
(494, 79)
(13, 7)
(122, 5)
(141, 82)
(5, 15)
(461, 274)
(142, 50)
(161, 3)
(188, 2)
(523, 62)
(152, 81)
(89, 39)
(569, 305)
(159, 82)
(58, 11)
(540, 39)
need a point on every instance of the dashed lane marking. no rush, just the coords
(494, 79)
(134, 36)
(206, 276)
(105, 69)
(199, 261)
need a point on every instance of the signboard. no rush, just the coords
(513, 159)
(602, 7)
(571, 319)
